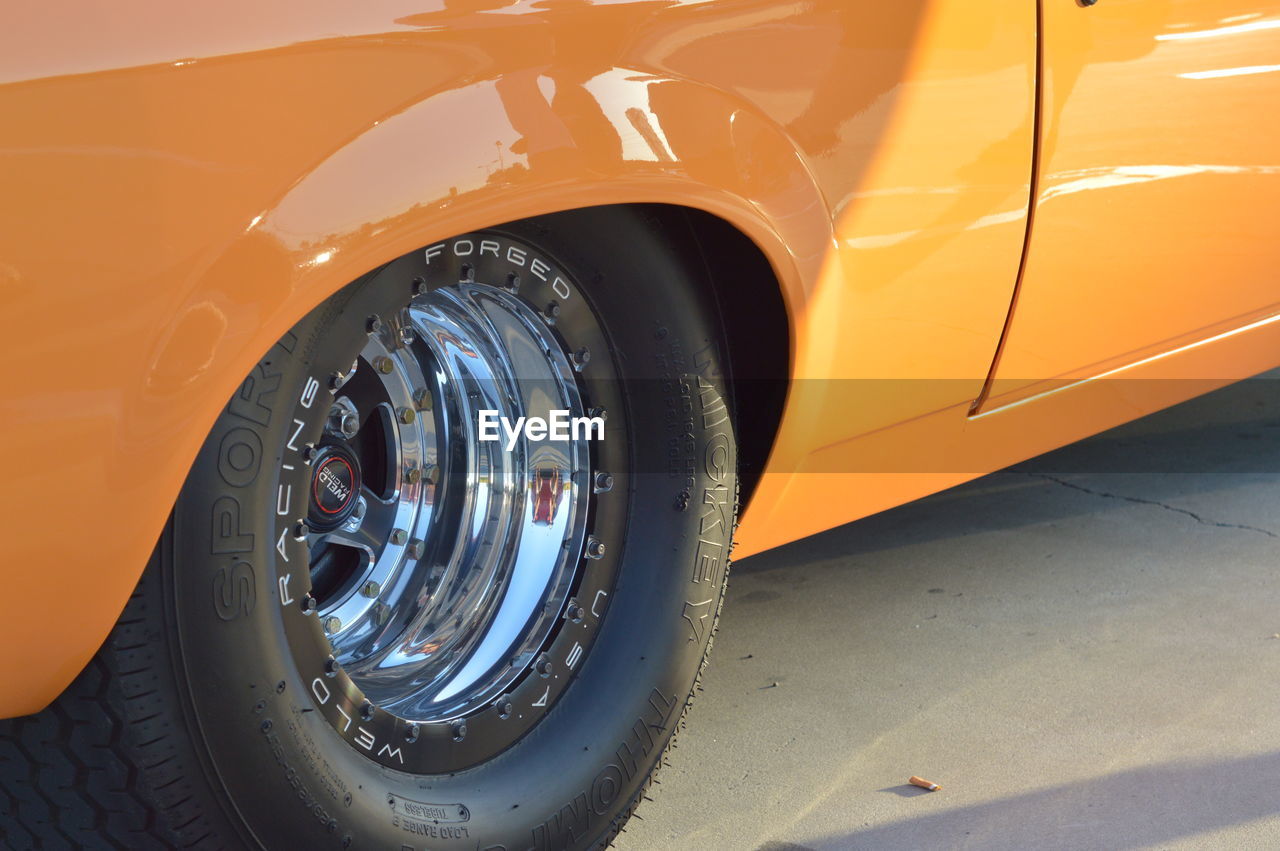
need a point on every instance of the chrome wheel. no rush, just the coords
(440, 562)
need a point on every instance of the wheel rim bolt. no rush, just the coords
(553, 310)
(459, 729)
(399, 536)
(337, 379)
(580, 359)
(366, 711)
(574, 612)
(332, 624)
(411, 733)
(543, 666)
(595, 548)
(373, 325)
(383, 364)
(309, 452)
(513, 282)
(598, 412)
(407, 415)
(467, 274)
(419, 286)
(504, 708)
(331, 666)
(370, 589)
(416, 548)
(603, 483)
(412, 475)
(309, 604)
(300, 531)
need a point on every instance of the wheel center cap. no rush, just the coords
(335, 484)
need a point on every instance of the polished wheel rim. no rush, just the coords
(440, 562)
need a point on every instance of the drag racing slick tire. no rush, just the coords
(370, 623)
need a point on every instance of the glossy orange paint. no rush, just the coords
(1159, 187)
(1150, 274)
(182, 183)
(935, 451)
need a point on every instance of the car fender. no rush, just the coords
(164, 372)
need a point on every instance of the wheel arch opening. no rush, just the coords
(748, 295)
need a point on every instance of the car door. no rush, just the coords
(1158, 187)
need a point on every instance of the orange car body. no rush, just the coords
(989, 226)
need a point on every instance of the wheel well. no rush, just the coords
(758, 336)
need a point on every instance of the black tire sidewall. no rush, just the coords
(289, 776)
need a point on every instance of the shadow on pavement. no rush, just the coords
(1112, 812)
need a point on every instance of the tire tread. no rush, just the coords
(101, 766)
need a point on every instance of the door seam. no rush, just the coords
(1033, 196)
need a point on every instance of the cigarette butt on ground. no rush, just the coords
(924, 784)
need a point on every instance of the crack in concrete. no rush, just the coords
(1140, 501)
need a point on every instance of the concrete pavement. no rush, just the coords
(1082, 658)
